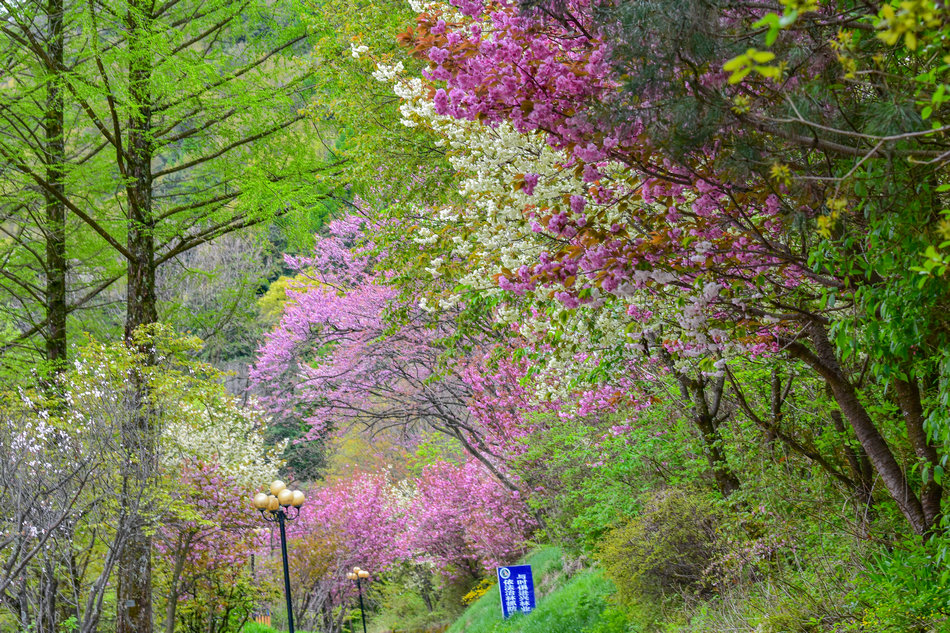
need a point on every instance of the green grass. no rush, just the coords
(254, 627)
(578, 604)
(569, 600)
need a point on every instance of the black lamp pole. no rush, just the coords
(276, 508)
(359, 574)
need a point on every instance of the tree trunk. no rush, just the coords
(23, 602)
(46, 616)
(134, 572)
(776, 402)
(55, 160)
(908, 394)
(824, 361)
(134, 591)
(857, 462)
(706, 399)
(181, 553)
(726, 480)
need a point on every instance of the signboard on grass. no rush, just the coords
(516, 587)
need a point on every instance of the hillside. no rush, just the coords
(570, 599)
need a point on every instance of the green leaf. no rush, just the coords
(770, 20)
(735, 63)
(739, 75)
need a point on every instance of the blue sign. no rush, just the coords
(516, 587)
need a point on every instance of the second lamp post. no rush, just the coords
(275, 508)
(359, 574)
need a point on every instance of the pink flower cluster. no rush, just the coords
(455, 517)
(214, 532)
(685, 225)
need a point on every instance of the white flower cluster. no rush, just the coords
(444, 9)
(387, 72)
(504, 228)
(196, 422)
(228, 434)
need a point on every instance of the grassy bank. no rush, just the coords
(568, 601)
(254, 627)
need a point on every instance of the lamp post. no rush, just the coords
(276, 508)
(359, 574)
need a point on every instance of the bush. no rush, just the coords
(905, 589)
(223, 605)
(666, 549)
(254, 627)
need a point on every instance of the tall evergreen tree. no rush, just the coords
(189, 116)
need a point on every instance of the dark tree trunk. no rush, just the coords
(134, 591)
(908, 394)
(23, 602)
(141, 300)
(726, 480)
(775, 402)
(858, 463)
(706, 400)
(171, 607)
(824, 361)
(55, 159)
(46, 616)
(134, 572)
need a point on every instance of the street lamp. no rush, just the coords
(359, 574)
(275, 508)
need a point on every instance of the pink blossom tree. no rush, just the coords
(357, 520)
(654, 228)
(464, 522)
(342, 358)
(207, 547)
(455, 519)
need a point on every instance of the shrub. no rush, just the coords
(906, 588)
(665, 549)
(479, 590)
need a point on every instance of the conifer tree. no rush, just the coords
(161, 126)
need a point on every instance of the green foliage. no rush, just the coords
(304, 461)
(906, 588)
(666, 549)
(409, 599)
(434, 449)
(578, 603)
(271, 303)
(223, 142)
(356, 116)
(224, 608)
(254, 627)
(592, 478)
(213, 294)
(751, 61)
